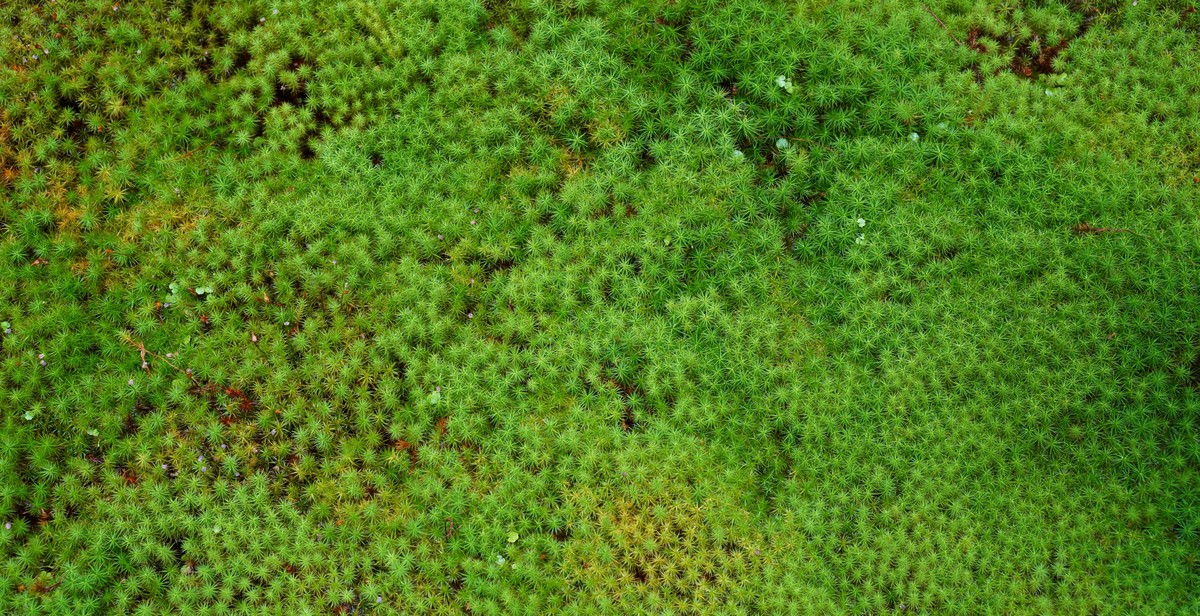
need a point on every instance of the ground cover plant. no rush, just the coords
(599, 307)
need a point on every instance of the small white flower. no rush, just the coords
(217, 529)
(914, 137)
(782, 143)
(862, 223)
(861, 239)
(499, 560)
(739, 155)
(780, 81)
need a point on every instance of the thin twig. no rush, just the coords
(254, 341)
(144, 351)
(942, 24)
(1086, 229)
(189, 153)
(41, 590)
(820, 145)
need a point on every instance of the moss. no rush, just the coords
(314, 307)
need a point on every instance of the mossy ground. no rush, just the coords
(664, 306)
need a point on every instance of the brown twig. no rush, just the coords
(942, 24)
(1086, 229)
(189, 153)
(38, 589)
